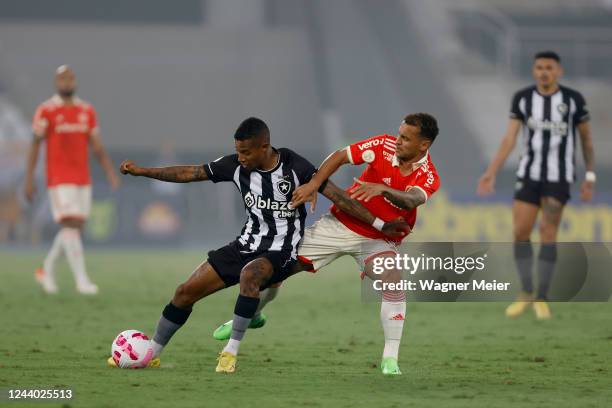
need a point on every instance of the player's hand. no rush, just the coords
(303, 194)
(30, 190)
(313, 202)
(586, 191)
(128, 167)
(396, 228)
(486, 185)
(365, 190)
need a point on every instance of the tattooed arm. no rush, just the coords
(406, 200)
(174, 174)
(586, 140)
(395, 228)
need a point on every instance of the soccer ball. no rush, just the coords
(132, 349)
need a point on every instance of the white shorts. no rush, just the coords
(70, 201)
(329, 239)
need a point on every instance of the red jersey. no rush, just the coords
(383, 168)
(67, 129)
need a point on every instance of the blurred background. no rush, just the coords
(171, 82)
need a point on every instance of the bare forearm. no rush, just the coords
(406, 200)
(173, 174)
(588, 151)
(329, 166)
(506, 147)
(32, 159)
(348, 205)
(106, 162)
(500, 157)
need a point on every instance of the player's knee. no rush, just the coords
(72, 223)
(249, 282)
(521, 234)
(548, 233)
(183, 296)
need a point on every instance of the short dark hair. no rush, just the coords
(250, 128)
(427, 124)
(547, 54)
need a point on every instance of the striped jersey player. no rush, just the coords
(552, 118)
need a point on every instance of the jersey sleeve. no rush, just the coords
(222, 169)
(515, 107)
(428, 181)
(582, 113)
(367, 150)
(40, 122)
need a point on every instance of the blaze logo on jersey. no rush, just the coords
(281, 208)
(387, 180)
(283, 187)
(556, 127)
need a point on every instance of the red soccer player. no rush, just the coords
(398, 178)
(69, 127)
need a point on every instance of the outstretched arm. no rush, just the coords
(406, 200)
(329, 166)
(395, 228)
(173, 174)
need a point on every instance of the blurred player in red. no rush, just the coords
(69, 127)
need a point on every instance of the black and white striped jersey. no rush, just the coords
(549, 133)
(271, 225)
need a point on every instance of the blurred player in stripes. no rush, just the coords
(550, 116)
(69, 127)
(399, 177)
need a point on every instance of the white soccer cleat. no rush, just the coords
(46, 282)
(87, 288)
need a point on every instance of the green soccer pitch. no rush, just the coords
(320, 348)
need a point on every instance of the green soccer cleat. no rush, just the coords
(389, 366)
(224, 331)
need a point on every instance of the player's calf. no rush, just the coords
(254, 275)
(202, 282)
(392, 314)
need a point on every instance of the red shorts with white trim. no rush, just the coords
(329, 239)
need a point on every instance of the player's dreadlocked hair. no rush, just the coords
(427, 124)
(252, 127)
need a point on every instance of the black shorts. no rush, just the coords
(228, 262)
(532, 191)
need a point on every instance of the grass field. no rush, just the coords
(321, 347)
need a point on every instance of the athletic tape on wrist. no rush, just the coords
(378, 224)
(590, 176)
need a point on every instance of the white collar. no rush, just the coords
(415, 165)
